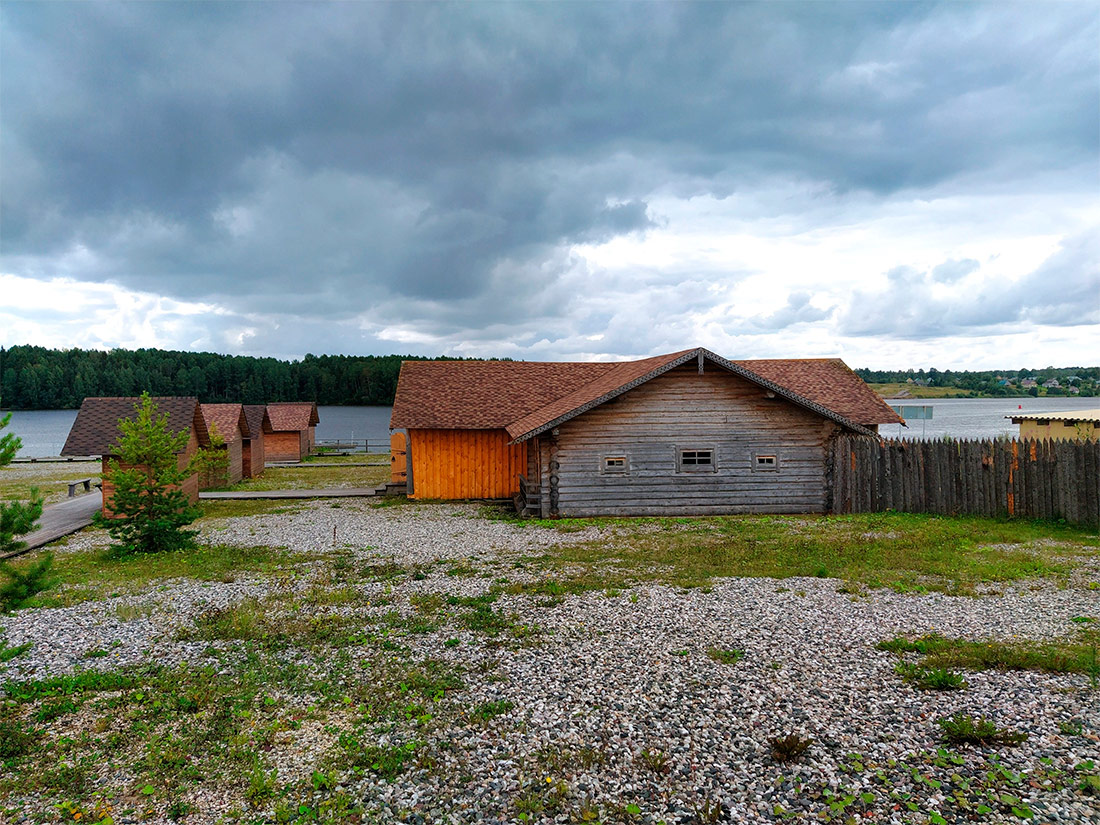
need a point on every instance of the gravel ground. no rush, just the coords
(614, 676)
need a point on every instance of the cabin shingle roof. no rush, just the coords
(829, 382)
(258, 420)
(523, 396)
(228, 419)
(482, 395)
(292, 415)
(95, 430)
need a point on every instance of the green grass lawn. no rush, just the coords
(306, 477)
(51, 479)
(902, 551)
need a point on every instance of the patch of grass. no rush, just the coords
(385, 571)
(906, 552)
(1070, 655)
(49, 478)
(725, 656)
(305, 477)
(963, 729)
(656, 760)
(269, 623)
(7, 652)
(92, 575)
(17, 738)
(1071, 727)
(790, 747)
(490, 710)
(930, 678)
(360, 754)
(218, 509)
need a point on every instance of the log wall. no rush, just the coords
(684, 409)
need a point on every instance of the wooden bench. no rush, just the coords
(87, 482)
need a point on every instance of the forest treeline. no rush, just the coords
(36, 378)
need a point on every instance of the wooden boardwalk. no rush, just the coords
(62, 519)
(332, 492)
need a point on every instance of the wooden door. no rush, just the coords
(398, 463)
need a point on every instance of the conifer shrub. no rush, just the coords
(149, 507)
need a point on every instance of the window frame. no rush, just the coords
(711, 467)
(773, 467)
(620, 470)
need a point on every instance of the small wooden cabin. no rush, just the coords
(252, 450)
(1071, 425)
(95, 433)
(688, 432)
(230, 424)
(293, 430)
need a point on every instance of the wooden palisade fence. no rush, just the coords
(1029, 479)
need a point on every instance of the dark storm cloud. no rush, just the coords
(427, 160)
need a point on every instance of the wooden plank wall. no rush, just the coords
(1031, 479)
(456, 464)
(285, 445)
(684, 409)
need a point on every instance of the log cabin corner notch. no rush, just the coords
(687, 432)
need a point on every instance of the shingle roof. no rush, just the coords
(482, 395)
(829, 382)
(523, 397)
(258, 420)
(292, 415)
(229, 420)
(95, 431)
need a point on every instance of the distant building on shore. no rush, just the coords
(1073, 425)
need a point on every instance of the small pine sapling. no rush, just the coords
(149, 508)
(17, 518)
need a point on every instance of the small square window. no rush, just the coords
(1043, 423)
(614, 464)
(697, 460)
(765, 462)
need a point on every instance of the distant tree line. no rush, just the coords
(993, 383)
(36, 378)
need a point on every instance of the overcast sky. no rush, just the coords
(900, 185)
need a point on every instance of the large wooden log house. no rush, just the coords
(687, 432)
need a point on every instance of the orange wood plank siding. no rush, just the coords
(454, 464)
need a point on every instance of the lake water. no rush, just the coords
(44, 431)
(977, 417)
